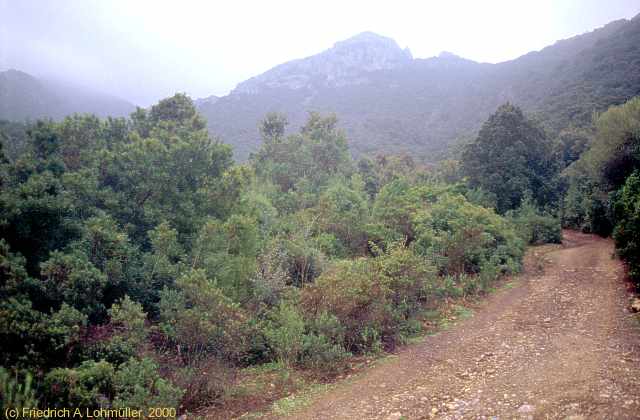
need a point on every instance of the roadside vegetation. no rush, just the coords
(141, 267)
(603, 185)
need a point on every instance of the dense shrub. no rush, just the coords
(612, 156)
(305, 261)
(534, 226)
(510, 156)
(313, 342)
(408, 277)
(200, 320)
(602, 193)
(114, 349)
(88, 385)
(354, 292)
(323, 344)
(139, 267)
(271, 275)
(585, 206)
(31, 338)
(72, 279)
(460, 237)
(627, 230)
(127, 319)
(343, 212)
(137, 383)
(227, 251)
(374, 299)
(393, 207)
(285, 333)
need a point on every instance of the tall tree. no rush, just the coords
(510, 156)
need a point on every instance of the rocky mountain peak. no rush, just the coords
(346, 63)
(447, 54)
(379, 45)
(209, 100)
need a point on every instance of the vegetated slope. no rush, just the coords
(388, 101)
(557, 345)
(23, 96)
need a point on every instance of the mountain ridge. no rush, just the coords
(401, 104)
(344, 63)
(385, 99)
(23, 96)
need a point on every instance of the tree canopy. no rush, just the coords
(511, 156)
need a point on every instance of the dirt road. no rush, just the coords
(560, 344)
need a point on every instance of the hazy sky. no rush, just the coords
(145, 50)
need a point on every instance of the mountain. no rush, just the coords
(386, 100)
(347, 63)
(209, 100)
(23, 96)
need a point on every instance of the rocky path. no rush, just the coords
(559, 345)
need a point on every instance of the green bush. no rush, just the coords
(393, 207)
(128, 320)
(455, 285)
(115, 350)
(271, 276)
(343, 212)
(32, 338)
(227, 252)
(89, 385)
(73, 279)
(459, 237)
(585, 206)
(322, 355)
(304, 259)
(323, 344)
(534, 226)
(357, 295)
(409, 278)
(137, 384)
(124, 337)
(627, 230)
(310, 341)
(375, 300)
(285, 333)
(330, 245)
(198, 319)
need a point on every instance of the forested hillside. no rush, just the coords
(603, 185)
(142, 267)
(389, 102)
(22, 96)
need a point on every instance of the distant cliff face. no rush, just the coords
(347, 63)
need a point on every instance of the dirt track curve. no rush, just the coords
(559, 345)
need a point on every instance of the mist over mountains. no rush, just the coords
(226, 256)
(23, 96)
(386, 100)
